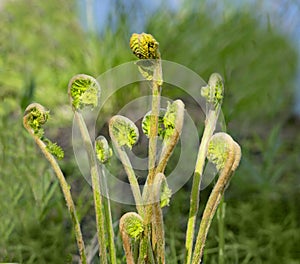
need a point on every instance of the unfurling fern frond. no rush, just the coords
(144, 46)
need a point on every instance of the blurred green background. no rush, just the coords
(44, 43)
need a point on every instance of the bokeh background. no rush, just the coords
(254, 44)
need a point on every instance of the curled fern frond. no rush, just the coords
(146, 124)
(222, 145)
(168, 121)
(144, 46)
(214, 91)
(173, 123)
(173, 119)
(225, 153)
(123, 131)
(132, 224)
(35, 116)
(166, 194)
(218, 149)
(83, 91)
(103, 151)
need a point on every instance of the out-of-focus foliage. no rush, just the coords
(32, 210)
(42, 45)
(258, 63)
(36, 53)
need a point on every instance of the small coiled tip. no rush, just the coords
(215, 79)
(214, 91)
(123, 131)
(103, 151)
(220, 147)
(132, 224)
(35, 116)
(144, 46)
(173, 119)
(146, 124)
(83, 90)
(169, 120)
(165, 191)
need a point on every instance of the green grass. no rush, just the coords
(34, 226)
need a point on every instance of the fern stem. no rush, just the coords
(146, 253)
(209, 129)
(212, 204)
(153, 131)
(132, 179)
(108, 219)
(65, 190)
(158, 234)
(95, 185)
(221, 227)
(151, 165)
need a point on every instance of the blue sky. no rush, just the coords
(102, 9)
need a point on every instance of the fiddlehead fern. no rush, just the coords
(124, 132)
(103, 151)
(160, 127)
(132, 224)
(214, 91)
(131, 227)
(84, 90)
(225, 153)
(35, 117)
(173, 122)
(144, 46)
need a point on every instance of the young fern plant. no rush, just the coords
(146, 48)
(213, 93)
(225, 153)
(169, 130)
(124, 133)
(142, 232)
(104, 153)
(173, 123)
(131, 227)
(35, 117)
(84, 91)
